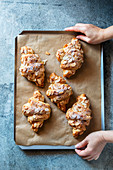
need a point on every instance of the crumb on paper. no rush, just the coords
(47, 53)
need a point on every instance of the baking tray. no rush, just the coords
(51, 147)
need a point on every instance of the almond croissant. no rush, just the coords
(36, 110)
(71, 57)
(32, 67)
(79, 115)
(59, 92)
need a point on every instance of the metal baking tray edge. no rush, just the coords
(52, 147)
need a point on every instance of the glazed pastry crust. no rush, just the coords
(36, 110)
(59, 92)
(70, 57)
(79, 115)
(26, 50)
(32, 67)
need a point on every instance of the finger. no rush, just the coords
(87, 157)
(90, 159)
(81, 144)
(82, 153)
(90, 156)
(70, 28)
(96, 157)
(76, 29)
(83, 37)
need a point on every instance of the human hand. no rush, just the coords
(94, 144)
(92, 33)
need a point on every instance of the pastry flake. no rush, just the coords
(36, 110)
(59, 92)
(70, 57)
(79, 115)
(32, 67)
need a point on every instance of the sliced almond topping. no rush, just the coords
(47, 53)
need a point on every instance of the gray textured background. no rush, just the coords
(18, 15)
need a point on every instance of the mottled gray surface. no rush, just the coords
(18, 15)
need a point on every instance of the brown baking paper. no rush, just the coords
(56, 130)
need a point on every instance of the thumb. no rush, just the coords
(70, 29)
(81, 144)
(76, 29)
(83, 37)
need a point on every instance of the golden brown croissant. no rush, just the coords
(59, 92)
(79, 115)
(36, 110)
(71, 57)
(32, 67)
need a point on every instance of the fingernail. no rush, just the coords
(69, 28)
(65, 28)
(77, 36)
(77, 145)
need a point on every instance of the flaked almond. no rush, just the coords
(47, 53)
(44, 61)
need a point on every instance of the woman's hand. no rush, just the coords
(92, 33)
(94, 144)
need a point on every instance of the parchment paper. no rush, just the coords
(56, 130)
